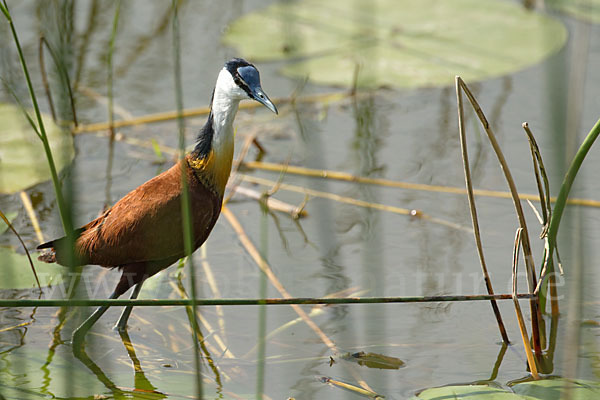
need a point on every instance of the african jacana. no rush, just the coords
(142, 233)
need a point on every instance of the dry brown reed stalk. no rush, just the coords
(473, 210)
(353, 388)
(544, 192)
(355, 202)
(7, 222)
(525, 243)
(272, 203)
(541, 179)
(520, 319)
(32, 217)
(346, 177)
(266, 269)
(325, 98)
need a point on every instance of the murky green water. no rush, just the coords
(396, 134)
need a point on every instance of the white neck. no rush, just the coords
(225, 104)
(216, 165)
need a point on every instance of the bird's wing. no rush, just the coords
(146, 224)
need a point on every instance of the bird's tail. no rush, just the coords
(47, 245)
(53, 245)
(48, 256)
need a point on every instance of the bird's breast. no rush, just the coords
(214, 168)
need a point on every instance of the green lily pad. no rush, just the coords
(546, 389)
(471, 392)
(552, 389)
(588, 10)
(16, 271)
(10, 217)
(401, 43)
(22, 157)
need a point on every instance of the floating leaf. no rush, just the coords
(10, 217)
(552, 389)
(402, 43)
(588, 10)
(471, 392)
(16, 272)
(374, 360)
(22, 158)
(547, 389)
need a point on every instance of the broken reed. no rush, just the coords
(523, 235)
(460, 87)
(550, 221)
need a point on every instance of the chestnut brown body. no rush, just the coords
(143, 232)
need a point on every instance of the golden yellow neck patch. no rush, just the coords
(213, 170)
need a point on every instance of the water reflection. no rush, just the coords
(13, 326)
(193, 322)
(142, 384)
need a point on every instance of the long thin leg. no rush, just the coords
(80, 332)
(121, 324)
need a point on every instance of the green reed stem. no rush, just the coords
(186, 208)
(65, 215)
(109, 61)
(253, 302)
(561, 201)
(262, 310)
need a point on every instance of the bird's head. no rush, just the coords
(240, 80)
